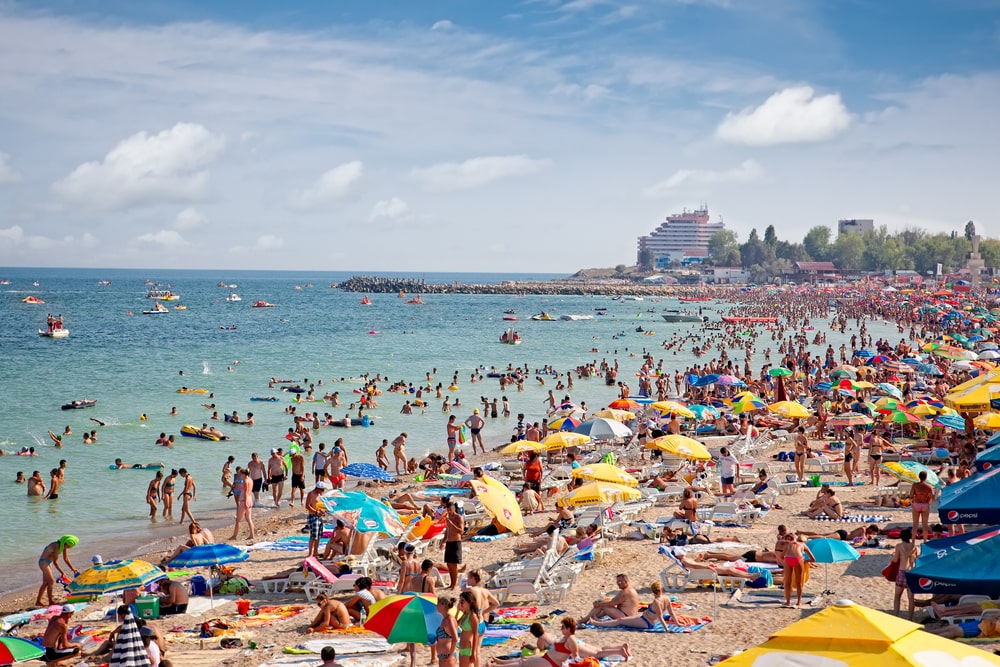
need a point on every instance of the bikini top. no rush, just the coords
(559, 647)
(441, 633)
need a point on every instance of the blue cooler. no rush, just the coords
(199, 585)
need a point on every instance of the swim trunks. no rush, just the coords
(453, 553)
(276, 479)
(842, 534)
(315, 523)
(257, 483)
(298, 481)
(55, 654)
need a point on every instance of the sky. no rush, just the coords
(531, 135)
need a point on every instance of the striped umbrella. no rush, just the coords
(624, 404)
(128, 650)
(849, 419)
(115, 576)
(367, 471)
(411, 619)
(564, 424)
(15, 649)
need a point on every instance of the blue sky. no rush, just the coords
(488, 136)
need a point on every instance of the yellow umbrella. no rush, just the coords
(989, 421)
(599, 493)
(673, 406)
(789, 409)
(849, 635)
(562, 440)
(500, 502)
(605, 472)
(681, 446)
(974, 399)
(863, 384)
(617, 415)
(926, 410)
(521, 446)
(743, 396)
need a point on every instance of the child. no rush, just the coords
(380, 457)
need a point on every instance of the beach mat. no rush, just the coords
(516, 612)
(198, 605)
(347, 644)
(663, 628)
(40, 614)
(855, 518)
(488, 538)
(765, 597)
(381, 660)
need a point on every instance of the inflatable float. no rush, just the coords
(190, 431)
(79, 405)
(364, 421)
(266, 399)
(185, 390)
(138, 466)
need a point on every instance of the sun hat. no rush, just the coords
(67, 609)
(476, 411)
(320, 484)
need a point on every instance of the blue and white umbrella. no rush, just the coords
(128, 650)
(209, 555)
(891, 390)
(367, 471)
(864, 354)
(953, 422)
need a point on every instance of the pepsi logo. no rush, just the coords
(987, 466)
(925, 584)
(952, 515)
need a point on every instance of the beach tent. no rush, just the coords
(847, 634)
(972, 500)
(959, 565)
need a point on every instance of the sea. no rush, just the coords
(133, 365)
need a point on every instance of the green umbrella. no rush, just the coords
(780, 372)
(15, 649)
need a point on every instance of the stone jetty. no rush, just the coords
(568, 286)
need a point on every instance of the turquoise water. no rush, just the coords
(131, 364)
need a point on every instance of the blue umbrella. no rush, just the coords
(700, 411)
(643, 400)
(994, 440)
(864, 354)
(367, 471)
(988, 458)
(891, 390)
(823, 386)
(912, 361)
(972, 500)
(953, 422)
(828, 550)
(963, 564)
(706, 380)
(364, 512)
(209, 555)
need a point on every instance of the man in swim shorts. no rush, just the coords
(276, 476)
(475, 424)
(55, 641)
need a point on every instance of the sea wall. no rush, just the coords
(377, 285)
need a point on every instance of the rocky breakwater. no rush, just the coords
(603, 287)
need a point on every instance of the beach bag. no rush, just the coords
(234, 586)
(891, 571)
(586, 662)
(609, 458)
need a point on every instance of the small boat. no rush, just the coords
(681, 316)
(158, 309)
(510, 318)
(162, 295)
(4, 282)
(190, 431)
(416, 301)
(31, 299)
(263, 304)
(80, 404)
(233, 297)
(510, 337)
(575, 318)
(366, 301)
(104, 283)
(509, 312)
(36, 283)
(631, 298)
(185, 390)
(543, 317)
(54, 333)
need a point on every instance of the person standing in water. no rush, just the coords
(188, 495)
(167, 494)
(152, 493)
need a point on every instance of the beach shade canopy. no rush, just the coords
(975, 499)
(409, 619)
(960, 565)
(679, 409)
(909, 471)
(828, 550)
(209, 555)
(115, 576)
(364, 513)
(780, 372)
(616, 414)
(599, 493)
(500, 502)
(849, 419)
(15, 649)
(367, 471)
(680, 446)
(521, 446)
(562, 440)
(988, 421)
(624, 404)
(846, 634)
(988, 458)
(128, 650)
(980, 398)
(604, 429)
(605, 472)
(789, 409)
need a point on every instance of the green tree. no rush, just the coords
(770, 236)
(724, 249)
(646, 259)
(817, 243)
(793, 252)
(620, 269)
(847, 250)
(970, 230)
(990, 250)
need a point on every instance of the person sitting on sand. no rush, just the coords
(530, 501)
(333, 615)
(55, 641)
(650, 618)
(176, 599)
(624, 603)
(556, 652)
(364, 598)
(197, 536)
(543, 640)
(830, 506)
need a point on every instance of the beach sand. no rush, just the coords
(736, 627)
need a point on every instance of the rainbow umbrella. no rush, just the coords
(900, 417)
(409, 619)
(748, 406)
(15, 649)
(114, 576)
(624, 404)
(564, 424)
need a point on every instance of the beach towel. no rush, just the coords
(381, 660)
(267, 615)
(346, 644)
(198, 605)
(855, 518)
(516, 612)
(488, 538)
(41, 614)
(495, 635)
(665, 627)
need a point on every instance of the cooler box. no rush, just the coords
(148, 607)
(199, 585)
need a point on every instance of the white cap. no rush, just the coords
(321, 484)
(274, 451)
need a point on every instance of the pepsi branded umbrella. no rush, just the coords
(972, 500)
(959, 565)
(988, 458)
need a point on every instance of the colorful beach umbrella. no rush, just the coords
(748, 406)
(564, 424)
(828, 550)
(15, 649)
(900, 417)
(115, 576)
(789, 409)
(704, 411)
(909, 471)
(616, 414)
(605, 472)
(624, 404)
(849, 419)
(410, 619)
(780, 372)
(604, 429)
(599, 493)
(954, 422)
(679, 409)
(500, 502)
(521, 446)
(367, 471)
(680, 446)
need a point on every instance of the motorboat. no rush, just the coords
(510, 337)
(104, 283)
(543, 317)
(162, 295)
(510, 318)
(263, 304)
(366, 301)
(158, 309)
(80, 404)
(681, 316)
(509, 312)
(233, 297)
(54, 333)
(31, 299)
(631, 298)
(575, 318)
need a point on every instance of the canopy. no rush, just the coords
(605, 472)
(604, 429)
(847, 634)
(988, 458)
(963, 564)
(367, 471)
(618, 415)
(500, 502)
(599, 493)
(972, 500)
(680, 446)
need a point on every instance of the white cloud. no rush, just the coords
(476, 172)
(13, 234)
(167, 238)
(332, 185)
(443, 25)
(146, 169)
(699, 179)
(389, 208)
(269, 242)
(16, 237)
(589, 93)
(7, 172)
(792, 115)
(190, 218)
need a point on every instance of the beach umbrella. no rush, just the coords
(828, 550)
(616, 414)
(730, 381)
(500, 502)
(963, 564)
(849, 419)
(989, 354)
(842, 373)
(366, 514)
(15, 649)
(909, 471)
(679, 409)
(564, 424)
(962, 366)
(975, 499)
(605, 472)
(953, 422)
(925, 410)
(604, 429)
(704, 411)
(114, 576)
(209, 555)
(562, 440)
(624, 404)
(780, 372)
(367, 471)
(680, 446)
(891, 390)
(740, 407)
(846, 634)
(864, 354)
(900, 417)
(994, 440)
(128, 650)
(599, 493)
(789, 409)
(988, 458)
(521, 446)
(706, 380)
(410, 619)
(823, 386)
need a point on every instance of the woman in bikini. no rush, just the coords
(875, 458)
(447, 634)
(852, 451)
(543, 640)
(795, 568)
(921, 496)
(423, 583)
(152, 491)
(650, 618)
(167, 495)
(471, 631)
(48, 559)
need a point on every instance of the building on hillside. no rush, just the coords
(812, 272)
(855, 226)
(681, 235)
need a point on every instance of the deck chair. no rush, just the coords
(675, 577)
(732, 513)
(546, 582)
(339, 586)
(296, 580)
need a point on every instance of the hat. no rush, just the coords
(97, 560)
(67, 609)
(274, 451)
(321, 484)
(146, 631)
(476, 411)
(410, 548)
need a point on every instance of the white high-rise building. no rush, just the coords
(681, 235)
